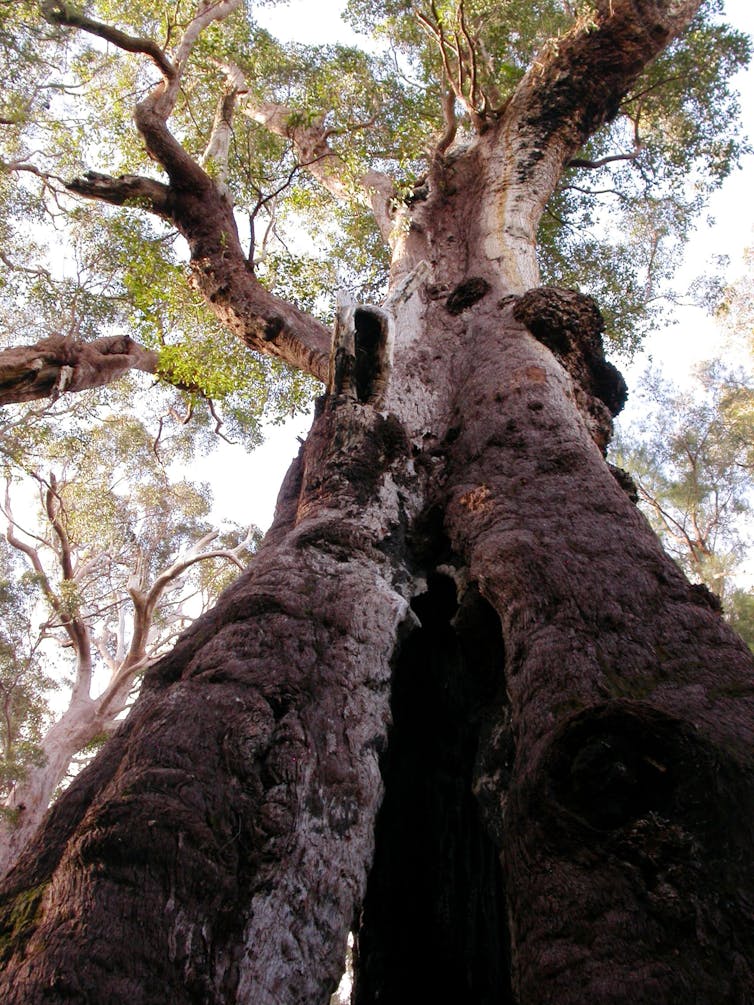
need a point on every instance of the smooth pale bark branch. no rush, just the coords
(574, 87)
(315, 155)
(60, 364)
(218, 146)
(206, 14)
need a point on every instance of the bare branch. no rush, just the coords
(61, 13)
(580, 162)
(125, 190)
(218, 422)
(15, 267)
(316, 156)
(145, 599)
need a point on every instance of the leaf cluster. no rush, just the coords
(692, 457)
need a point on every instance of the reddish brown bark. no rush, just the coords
(566, 789)
(572, 738)
(57, 364)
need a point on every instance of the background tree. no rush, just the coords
(691, 460)
(458, 618)
(123, 558)
(690, 453)
(24, 687)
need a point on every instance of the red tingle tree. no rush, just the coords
(461, 703)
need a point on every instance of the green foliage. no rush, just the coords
(24, 686)
(740, 613)
(616, 231)
(692, 456)
(736, 305)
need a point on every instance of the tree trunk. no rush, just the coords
(81, 723)
(460, 617)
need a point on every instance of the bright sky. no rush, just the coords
(246, 487)
(695, 336)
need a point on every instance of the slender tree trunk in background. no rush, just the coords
(27, 804)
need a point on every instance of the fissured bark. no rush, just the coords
(566, 786)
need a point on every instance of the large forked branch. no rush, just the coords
(200, 209)
(572, 89)
(58, 364)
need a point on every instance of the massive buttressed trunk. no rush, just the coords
(461, 704)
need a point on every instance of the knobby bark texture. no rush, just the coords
(59, 363)
(461, 703)
(470, 625)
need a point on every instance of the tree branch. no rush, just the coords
(451, 122)
(202, 212)
(218, 146)
(573, 88)
(125, 190)
(57, 364)
(145, 600)
(316, 156)
(579, 162)
(73, 626)
(57, 12)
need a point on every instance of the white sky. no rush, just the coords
(246, 486)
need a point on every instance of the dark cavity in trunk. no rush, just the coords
(433, 926)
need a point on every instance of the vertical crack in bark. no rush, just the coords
(433, 927)
(361, 353)
(371, 349)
